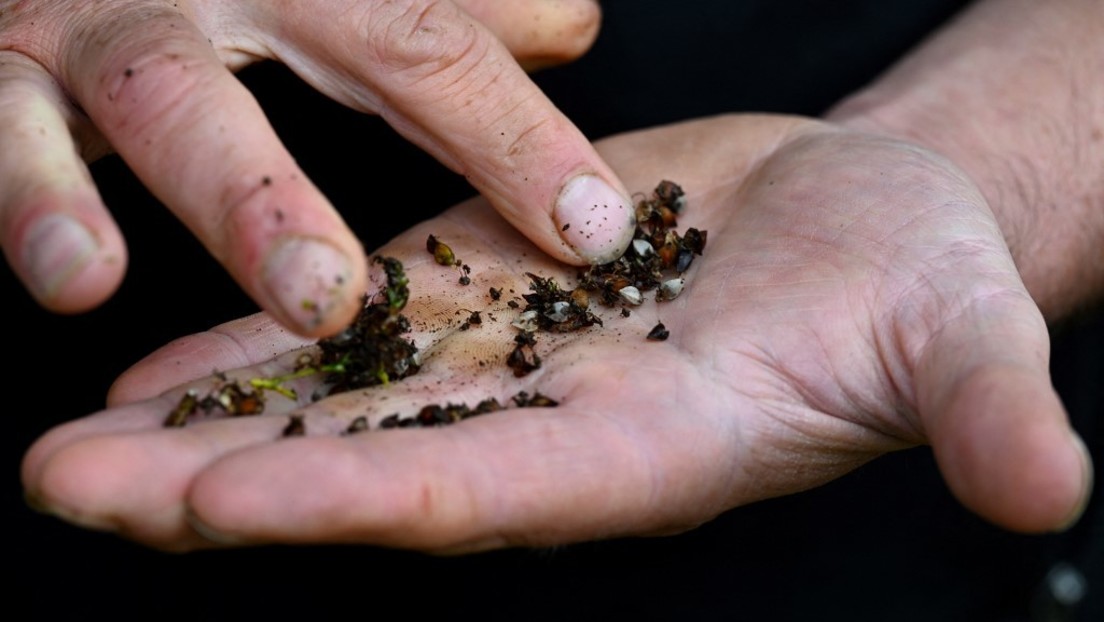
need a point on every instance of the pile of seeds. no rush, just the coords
(657, 257)
(372, 351)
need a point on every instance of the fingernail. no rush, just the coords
(35, 503)
(57, 247)
(211, 534)
(306, 279)
(1086, 485)
(594, 219)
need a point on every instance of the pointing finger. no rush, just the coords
(447, 83)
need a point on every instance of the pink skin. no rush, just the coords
(855, 298)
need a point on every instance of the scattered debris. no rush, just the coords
(522, 359)
(436, 415)
(228, 398)
(474, 319)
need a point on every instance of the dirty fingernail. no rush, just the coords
(594, 219)
(58, 246)
(306, 279)
(36, 504)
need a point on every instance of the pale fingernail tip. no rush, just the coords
(1086, 486)
(307, 279)
(594, 219)
(210, 533)
(57, 247)
(38, 504)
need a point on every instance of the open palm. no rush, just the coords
(855, 297)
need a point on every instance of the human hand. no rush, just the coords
(152, 81)
(855, 298)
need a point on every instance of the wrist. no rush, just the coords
(1015, 101)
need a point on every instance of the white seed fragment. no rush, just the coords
(643, 248)
(559, 311)
(526, 321)
(631, 295)
(670, 289)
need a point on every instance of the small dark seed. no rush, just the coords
(295, 426)
(659, 332)
(360, 424)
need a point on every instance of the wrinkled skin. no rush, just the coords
(855, 297)
(152, 80)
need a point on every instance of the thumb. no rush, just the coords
(444, 81)
(998, 430)
(540, 33)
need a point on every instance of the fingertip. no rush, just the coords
(594, 219)
(1008, 454)
(312, 286)
(1045, 491)
(71, 481)
(67, 267)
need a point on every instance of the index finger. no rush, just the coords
(445, 82)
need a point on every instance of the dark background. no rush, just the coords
(884, 543)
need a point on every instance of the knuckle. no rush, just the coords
(99, 59)
(35, 30)
(90, 50)
(423, 38)
(148, 84)
(18, 23)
